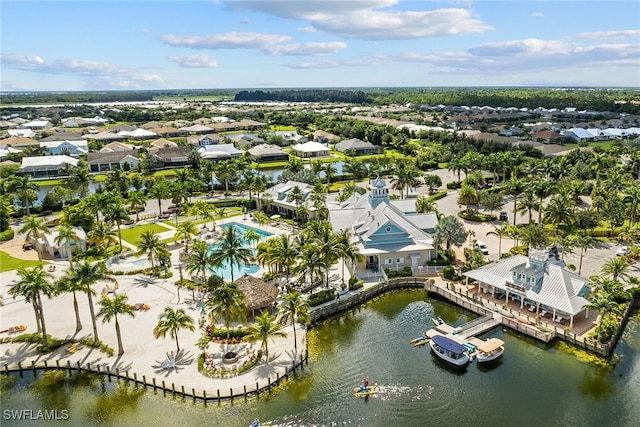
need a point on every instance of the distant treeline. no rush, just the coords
(74, 97)
(307, 95)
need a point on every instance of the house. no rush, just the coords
(76, 122)
(70, 148)
(201, 141)
(106, 137)
(171, 157)
(244, 140)
(580, 134)
(110, 160)
(548, 137)
(19, 142)
(37, 125)
(357, 147)
(47, 243)
(324, 137)
(389, 234)
(196, 130)
(539, 280)
(22, 133)
(44, 166)
(268, 153)
(167, 131)
(137, 134)
(310, 149)
(219, 152)
(280, 202)
(63, 135)
(116, 146)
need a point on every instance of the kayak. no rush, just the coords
(420, 341)
(373, 389)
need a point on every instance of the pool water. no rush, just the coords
(225, 271)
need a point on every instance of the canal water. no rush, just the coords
(532, 385)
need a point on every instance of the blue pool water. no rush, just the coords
(225, 270)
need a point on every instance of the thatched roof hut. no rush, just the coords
(258, 293)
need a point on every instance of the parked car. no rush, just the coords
(483, 248)
(622, 250)
(504, 216)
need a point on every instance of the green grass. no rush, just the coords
(132, 235)
(50, 182)
(8, 263)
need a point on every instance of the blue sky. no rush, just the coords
(157, 44)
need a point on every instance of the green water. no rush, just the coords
(531, 385)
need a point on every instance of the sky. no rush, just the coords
(217, 44)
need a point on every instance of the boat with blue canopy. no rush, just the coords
(449, 350)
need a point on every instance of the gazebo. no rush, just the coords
(258, 293)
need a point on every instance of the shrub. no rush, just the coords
(476, 216)
(453, 185)
(322, 297)
(406, 272)
(352, 281)
(7, 235)
(357, 285)
(449, 273)
(438, 195)
(220, 335)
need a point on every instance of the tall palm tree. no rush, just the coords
(501, 232)
(34, 228)
(116, 213)
(171, 321)
(283, 253)
(251, 236)
(160, 190)
(102, 235)
(68, 284)
(228, 301)
(616, 267)
(87, 274)
(583, 242)
(266, 328)
(151, 245)
(137, 201)
(346, 248)
(25, 190)
(230, 247)
(514, 187)
(559, 210)
(186, 230)
(110, 308)
(294, 309)
(67, 234)
(34, 282)
(199, 259)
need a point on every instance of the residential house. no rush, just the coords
(47, 243)
(22, 133)
(63, 135)
(540, 281)
(106, 137)
(204, 140)
(357, 147)
(138, 133)
(45, 166)
(76, 122)
(196, 130)
(18, 142)
(279, 201)
(325, 137)
(310, 149)
(219, 152)
(69, 148)
(168, 131)
(161, 143)
(171, 157)
(244, 140)
(548, 137)
(264, 153)
(37, 125)
(389, 233)
(111, 160)
(116, 147)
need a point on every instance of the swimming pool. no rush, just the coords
(225, 270)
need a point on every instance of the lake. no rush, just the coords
(532, 385)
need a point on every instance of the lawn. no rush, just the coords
(8, 263)
(132, 235)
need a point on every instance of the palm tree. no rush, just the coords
(34, 282)
(616, 267)
(283, 253)
(116, 213)
(111, 308)
(230, 248)
(425, 204)
(227, 300)
(102, 235)
(225, 172)
(468, 196)
(450, 231)
(160, 190)
(294, 309)
(137, 201)
(25, 190)
(514, 187)
(501, 232)
(583, 242)
(171, 321)
(66, 234)
(86, 275)
(185, 230)
(199, 260)
(346, 248)
(151, 245)
(34, 228)
(251, 236)
(66, 284)
(559, 210)
(266, 328)
(311, 262)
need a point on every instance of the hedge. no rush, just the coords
(453, 185)
(438, 196)
(475, 216)
(322, 297)
(7, 235)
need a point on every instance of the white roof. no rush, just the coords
(47, 161)
(310, 147)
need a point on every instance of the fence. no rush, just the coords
(187, 393)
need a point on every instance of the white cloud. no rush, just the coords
(537, 15)
(364, 20)
(321, 48)
(609, 34)
(194, 61)
(307, 29)
(233, 40)
(527, 55)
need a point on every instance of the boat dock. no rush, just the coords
(466, 334)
